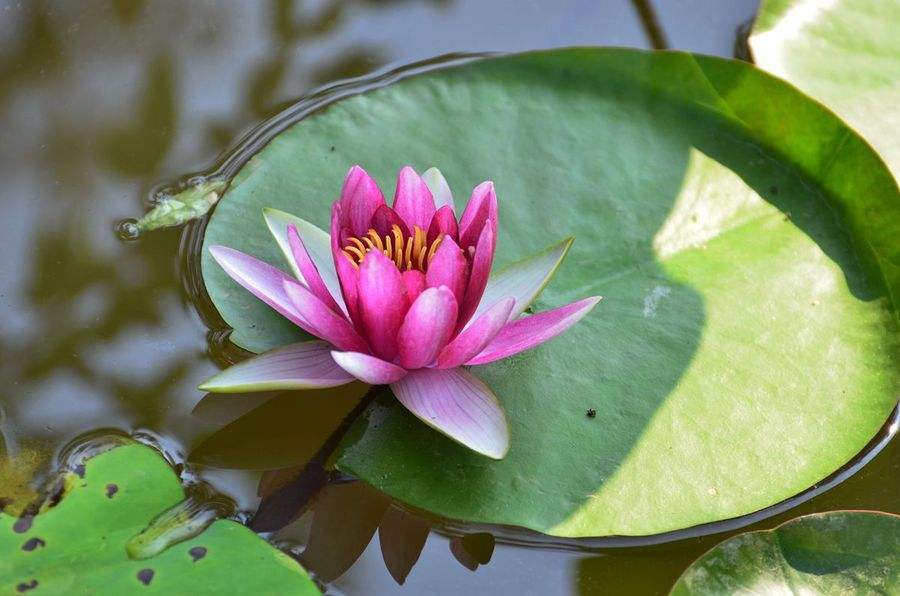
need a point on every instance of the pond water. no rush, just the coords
(105, 102)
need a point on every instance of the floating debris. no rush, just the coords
(181, 522)
(173, 210)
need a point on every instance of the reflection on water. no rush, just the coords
(100, 100)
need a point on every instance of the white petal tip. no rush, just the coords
(211, 386)
(272, 215)
(497, 454)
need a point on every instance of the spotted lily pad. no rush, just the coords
(838, 552)
(78, 544)
(746, 242)
(846, 54)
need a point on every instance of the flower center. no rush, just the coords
(407, 252)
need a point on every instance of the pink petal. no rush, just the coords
(528, 332)
(482, 262)
(523, 280)
(457, 404)
(439, 188)
(308, 271)
(306, 365)
(368, 369)
(346, 270)
(260, 279)
(348, 275)
(443, 222)
(481, 209)
(336, 217)
(412, 200)
(318, 246)
(382, 303)
(448, 268)
(427, 327)
(326, 323)
(415, 283)
(360, 197)
(385, 218)
(470, 342)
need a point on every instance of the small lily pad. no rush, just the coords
(838, 552)
(78, 544)
(846, 54)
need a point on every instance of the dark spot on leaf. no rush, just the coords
(591, 413)
(111, 490)
(332, 147)
(79, 469)
(23, 587)
(787, 215)
(23, 524)
(774, 190)
(56, 493)
(197, 553)
(145, 576)
(33, 543)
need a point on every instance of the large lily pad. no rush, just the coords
(746, 242)
(79, 544)
(845, 53)
(838, 552)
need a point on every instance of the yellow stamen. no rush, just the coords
(420, 260)
(406, 252)
(355, 251)
(358, 244)
(352, 261)
(434, 247)
(398, 245)
(418, 238)
(373, 235)
(407, 256)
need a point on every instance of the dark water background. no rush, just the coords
(103, 101)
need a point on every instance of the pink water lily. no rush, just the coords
(401, 296)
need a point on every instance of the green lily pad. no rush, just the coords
(746, 242)
(846, 54)
(79, 544)
(838, 552)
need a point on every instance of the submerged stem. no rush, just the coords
(289, 501)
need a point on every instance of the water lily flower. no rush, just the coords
(401, 296)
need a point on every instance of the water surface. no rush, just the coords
(103, 102)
